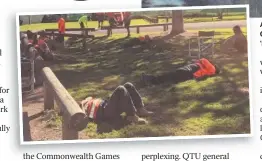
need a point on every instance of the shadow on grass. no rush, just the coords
(217, 105)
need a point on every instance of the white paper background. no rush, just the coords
(10, 149)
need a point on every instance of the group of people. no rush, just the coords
(34, 47)
(126, 98)
(119, 18)
(114, 19)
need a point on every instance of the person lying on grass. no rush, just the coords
(238, 42)
(124, 99)
(199, 70)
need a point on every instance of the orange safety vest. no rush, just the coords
(206, 68)
(92, 107)
(142, 38)
(61, 25)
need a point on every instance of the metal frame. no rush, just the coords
(202, 46)
(28, 81)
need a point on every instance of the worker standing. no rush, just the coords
(83, 22)
(127, 21)
(61, 29)
(100, 19)
(112, 22)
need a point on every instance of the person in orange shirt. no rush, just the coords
(199, 70)
(61, 29)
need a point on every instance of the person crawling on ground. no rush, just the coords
(238, 42)
(199, 70)
(141, 40)
(124, 99)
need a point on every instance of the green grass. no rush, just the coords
(213, 106)
(94, 24)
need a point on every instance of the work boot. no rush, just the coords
(143, 112)
(137, 120)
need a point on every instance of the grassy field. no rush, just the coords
(94, 24)
(217, 105)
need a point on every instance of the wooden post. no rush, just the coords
(67, 132)
(167, 23)
(26, 127)
(137, 30)
(108, 32)
(29, 20)
(48, 97)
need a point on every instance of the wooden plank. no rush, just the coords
(69, 107)
(150, 25)
(69, 35)
(26, 127)
(72, 29)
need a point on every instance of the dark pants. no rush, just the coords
(124, 99)
(82, 26)
(61, 37)
(100, 19)
(127, 22)
(179, 75)
(112, 23)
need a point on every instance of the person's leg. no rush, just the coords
(119, 102)
(82, 26)
(179, 75)
(137, 100)
(111, 23)
(127, 25)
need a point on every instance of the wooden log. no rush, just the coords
(69, 107)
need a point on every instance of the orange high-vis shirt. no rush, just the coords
(61, 25)
(206, 68)
(91, 106)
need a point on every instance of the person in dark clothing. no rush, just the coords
(238, 41)
(124, 99)
(112, 22)
(127, 21)
(199, 70)
(100, 19)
